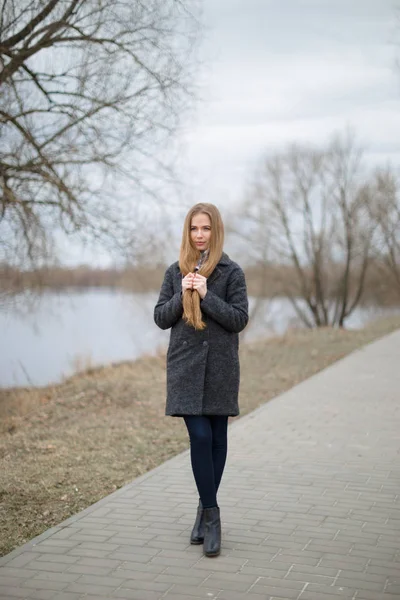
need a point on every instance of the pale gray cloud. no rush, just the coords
(279, 72)
(296, 70)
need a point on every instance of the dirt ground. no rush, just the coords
(64, 447)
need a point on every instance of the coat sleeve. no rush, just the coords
(169, 308)
(232, 314)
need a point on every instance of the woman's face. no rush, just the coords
(200, 231)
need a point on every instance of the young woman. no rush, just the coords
(203, 300)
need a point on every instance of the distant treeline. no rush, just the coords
(135, 279)
(282, 280)
(262, 280)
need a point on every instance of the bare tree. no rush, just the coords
(91, 92)
(310, 209)
(384, 208)
(248, 229)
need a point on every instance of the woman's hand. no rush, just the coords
(187, 282)
(200, 284)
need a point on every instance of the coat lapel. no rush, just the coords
(216, 273)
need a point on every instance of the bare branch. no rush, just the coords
(91, 94)
(18, 37)
(318, 222)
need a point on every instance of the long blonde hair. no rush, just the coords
(189, 256)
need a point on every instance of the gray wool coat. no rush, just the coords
(203, 366)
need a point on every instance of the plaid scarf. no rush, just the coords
(202, 260)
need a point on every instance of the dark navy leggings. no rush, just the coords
(208, 449)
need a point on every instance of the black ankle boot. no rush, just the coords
(212, 531)
(197, 535)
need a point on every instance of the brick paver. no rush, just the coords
(310, 504)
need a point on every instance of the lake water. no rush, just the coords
(75, 329)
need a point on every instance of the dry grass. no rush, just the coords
(66, 446)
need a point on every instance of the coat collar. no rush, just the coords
(224, 260)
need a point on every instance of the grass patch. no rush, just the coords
(64, 447)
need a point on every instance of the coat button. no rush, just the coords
(205, 343)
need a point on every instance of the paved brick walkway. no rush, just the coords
(310, 503)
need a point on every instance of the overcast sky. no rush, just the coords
(293, 70)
